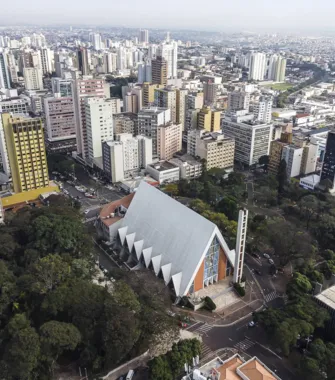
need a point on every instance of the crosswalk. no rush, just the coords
(244, 344)
(203, 328)
(271, 296)
(90, 219)
(205, 350)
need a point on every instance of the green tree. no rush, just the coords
(159, 369)
(309, 207)
(228, 206)
(48, 273)
(57, 337)
(298, 286)
(282, 175)
(264, 161)
(22, 350)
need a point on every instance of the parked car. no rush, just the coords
(271, 261)
(266, 255)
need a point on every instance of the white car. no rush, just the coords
(271, 261)
(86, 212)
(65, 192)
(266, 255)
(251, 324)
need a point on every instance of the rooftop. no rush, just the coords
(327, 297)
(108, 215)
(234, 368)
(163, 165)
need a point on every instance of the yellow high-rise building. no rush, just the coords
(209, 119)
(149, 93)
(26, 152)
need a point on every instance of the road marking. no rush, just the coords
(204, 328)
(189, 327)
(244, 344)
(205, 350)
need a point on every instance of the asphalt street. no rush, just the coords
(252, 341)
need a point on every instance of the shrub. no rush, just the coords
(209, 304)
(240, 290)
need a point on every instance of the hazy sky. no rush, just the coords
(192, 14)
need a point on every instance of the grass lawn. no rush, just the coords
(279, 86)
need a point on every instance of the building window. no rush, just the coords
(212, 263)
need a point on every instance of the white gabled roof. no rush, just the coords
(178, 236)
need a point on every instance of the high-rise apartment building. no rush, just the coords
(143, 36)
(257, 68)
(46, 62)
(149, 119)
(33, 78)
(252, 140)
(293, 156)
(125, 156)
(328, 166)
(83, 88)
(238, 100)
(144, 72)
(15, 106)
(275, 156)
(217, 149)
(159, 71)
(277, 68)
(210, 92)
(4, 73)
(125, 123)
(148, 93)
(26, 152)
(83, 61)
(63, 87)
(263, 109)
(169, 140)
(169, 51)
(194, 100)
(99, 124)
(209, 119)
(60, 123)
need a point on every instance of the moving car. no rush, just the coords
(266, 255)
(271, 261)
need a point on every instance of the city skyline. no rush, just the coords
(242, 15)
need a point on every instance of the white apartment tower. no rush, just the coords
(33, 78)
(4, 72)
(277, 68)
(169, 51)
(84, 88)
(263, 109)
(126, 155)
(99, 125)
(257, 68)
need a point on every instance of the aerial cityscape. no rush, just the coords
(167, 193)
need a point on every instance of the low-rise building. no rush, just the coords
(310, 182)
(164, 172)
(15, 106)
(190, 168)
(234, 368)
